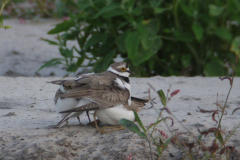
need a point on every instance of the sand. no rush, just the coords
(28, 116)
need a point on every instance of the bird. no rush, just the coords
(136, 103)
(109, 94)
(62, 103)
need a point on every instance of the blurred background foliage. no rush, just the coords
(2, 5)
(155, 37)
(34, 9)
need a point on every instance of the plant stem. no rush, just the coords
(176, 20)
(3, 5)
(160, 114)
(224, 107)
(150, 148)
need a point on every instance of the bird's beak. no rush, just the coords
(130, 72)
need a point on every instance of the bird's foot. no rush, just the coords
(93, 123)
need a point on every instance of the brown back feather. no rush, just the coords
(100, 88)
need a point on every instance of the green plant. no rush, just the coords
(1, 17)
(147, 133)
(155, 37)
(219, 145)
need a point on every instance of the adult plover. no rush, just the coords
(109, 94)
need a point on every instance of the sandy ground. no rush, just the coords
(28, 116)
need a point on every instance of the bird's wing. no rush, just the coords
(101, 89)
(63, 120)
(138, 102)
(57, 95)
(86, 107)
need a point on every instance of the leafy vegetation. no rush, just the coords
(155, 37)
(1, 17)
(219, 145)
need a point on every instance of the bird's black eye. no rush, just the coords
(69, 87)
(123, 69)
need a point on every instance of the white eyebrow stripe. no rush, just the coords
(124, 74)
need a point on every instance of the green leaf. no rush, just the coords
(144, 55)
(6, 27)
(110, 7)
(79, 63)
(104, 62)
(150, 42)
(132, 43)
(184, 36)
(71, 35)
(71, 67)
(164, 145)
(83, 4)
(121, 41)
(1, 23)
(95, 38)
(122, 25)
(235, 45)
(108, 58)
(1, 20)
(137, 11)
(200, 137)
(51, 62)
(187, 9)
(61, 27)
(154, 124)
(113, 13)
(186, 60)
(50, 41)
(223, 33)
(151, 63)
(160, 10)
(148, 33)
(198, 31)
(214, 68)
(215, 10)
(155, 3)
(157, 145)
(162, 96)
(129, 5)
(139, 121)
(132, 127)
(141, 55)
(65, 52)
(220, 138)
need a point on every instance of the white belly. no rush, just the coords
(113, 115)
(66, 104)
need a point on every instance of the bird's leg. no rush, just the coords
(67, 122)
(94, 116)
(108, 129)
(88, 116)
(79, 120)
